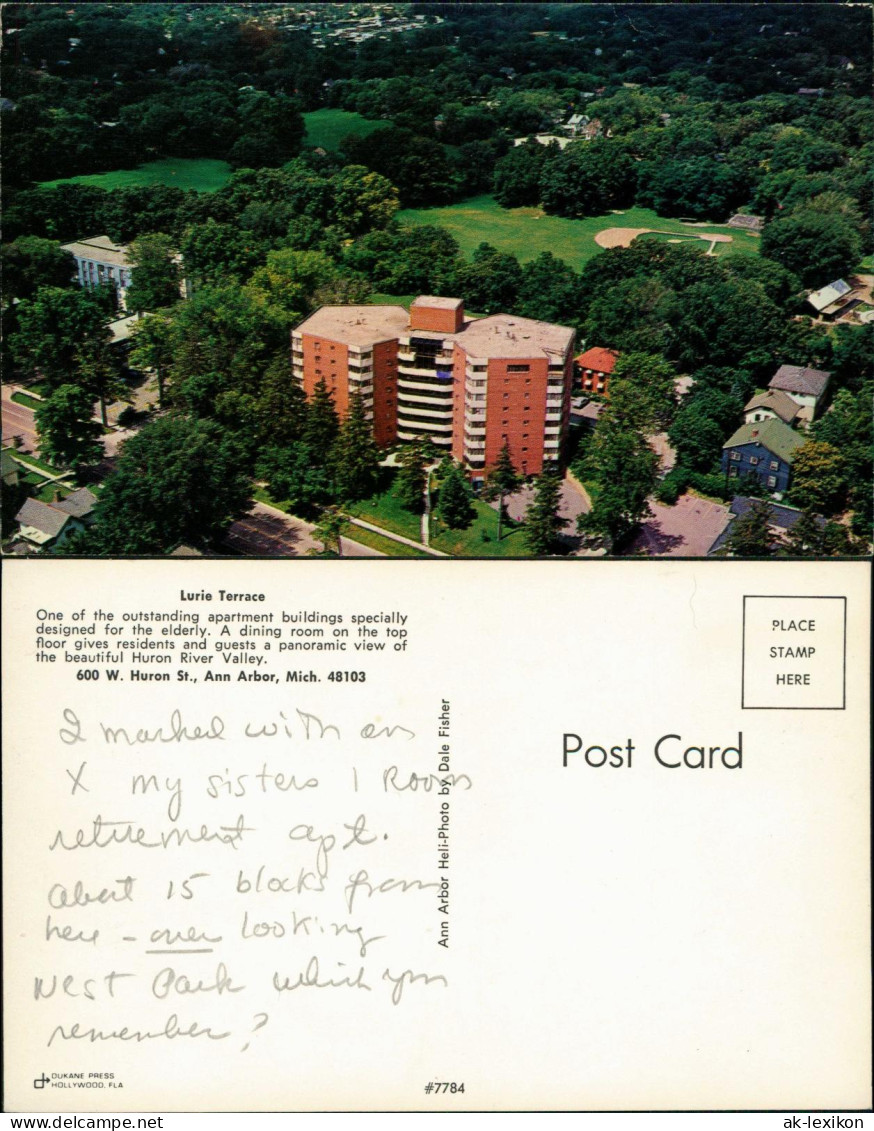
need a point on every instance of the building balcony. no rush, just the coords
(432, 384)
(416, 432)
(422, 411)
(416, 370)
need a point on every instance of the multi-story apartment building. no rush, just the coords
(470, 385)
(100, 261)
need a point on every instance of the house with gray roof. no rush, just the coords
(771, 405)
(764, 449)
(804, 385)
(781, 519)
(45, 525)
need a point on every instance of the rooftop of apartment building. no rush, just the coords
(99, 249)
(357, 325)
(495, 335)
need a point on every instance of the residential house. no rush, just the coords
(830, 301)
(804, 385)
(766, 450)
(781, 519)
(771, 405)
(594, 368)
(45, 525)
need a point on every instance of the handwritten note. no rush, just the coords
(306, 839)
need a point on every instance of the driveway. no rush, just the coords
(266, 532)
(687, 529)
(571, 504)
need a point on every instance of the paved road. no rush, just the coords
(18, 421)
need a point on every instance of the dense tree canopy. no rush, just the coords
(178, 480)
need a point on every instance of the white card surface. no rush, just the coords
(436, 835)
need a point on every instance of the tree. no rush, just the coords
(805, 537)
(99, 371)
(750, 535)
(699, 187)
(30, 262)
(52, 326)
(283, 289)
(502, 479)
(642, 390)
(817, 247)
(818, 477)
(588, 179)
(363, 200)
(177, 480)
(68, 433)
(329, 530)
(542, 520)
(491, 282)
(455, 506)
(294, 477)
(411, 478)
(156, 273)
(322, 423)
(281, 407)
(153, 346)
(549, 290)
(517, 174)
(701, 425)
(354, 458)
(626, 469)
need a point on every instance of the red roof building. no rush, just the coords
(594, 367)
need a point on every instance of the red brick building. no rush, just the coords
(594, 367)
(468, 384)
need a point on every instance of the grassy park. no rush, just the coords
(327, 128)
(526, 232)
(203, 174)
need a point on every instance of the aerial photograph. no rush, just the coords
(417, 280)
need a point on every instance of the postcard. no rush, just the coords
(423, 837)
(570, 303)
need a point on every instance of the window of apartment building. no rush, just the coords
(518, 368)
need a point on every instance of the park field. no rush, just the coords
(526, 232)
(203, 174)
(327, 128)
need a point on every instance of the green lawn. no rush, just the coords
(26, 460)
(327, 128)
(470, 543)
(385, 546)
(28, 402)
(526, 232)
(200, 173)
(385, 510)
